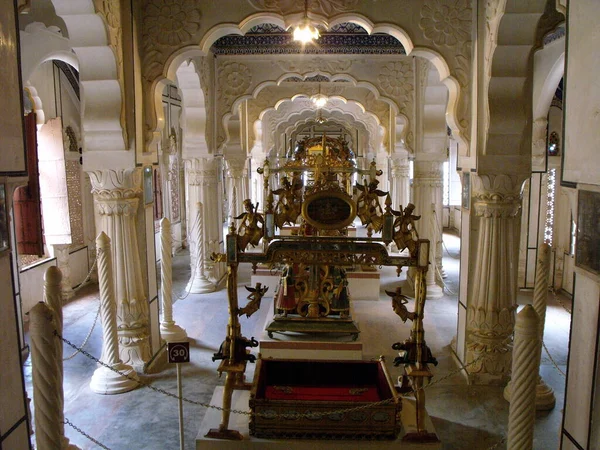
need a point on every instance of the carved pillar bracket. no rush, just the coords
(492, 296)
(116, 199)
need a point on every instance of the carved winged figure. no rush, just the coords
(256, 295)
(368, 206)
(405, 233)
(289, 203)
(398, 305)
(249, 230)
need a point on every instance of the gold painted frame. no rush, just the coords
(323, 197)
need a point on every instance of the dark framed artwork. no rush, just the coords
(4, 238)
(13, 161)
(466, 190)
(148, 191)
(587, 246)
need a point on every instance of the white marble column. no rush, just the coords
(400, 182)
(237, 186)
(493, 256)
(427, 185)
(202, 186)
(61, 252)
(116, 198)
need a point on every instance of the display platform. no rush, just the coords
(239, 422)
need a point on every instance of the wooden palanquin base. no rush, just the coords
(285, 388)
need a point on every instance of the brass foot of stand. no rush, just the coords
(422, 436)
(230, 435)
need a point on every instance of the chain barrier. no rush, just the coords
(553, 361)
(89, 274)
(79, 430)
(315, 415)
(249, 413)
(87, 338)
(559, 301)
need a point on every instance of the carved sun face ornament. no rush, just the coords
(305, 31)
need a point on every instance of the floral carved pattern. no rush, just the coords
(235, 78)
(326, 7)
(171, 22)
(446, 22)
(396, 79)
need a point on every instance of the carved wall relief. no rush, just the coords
(325, 7)
(447, 23)
(166, 25)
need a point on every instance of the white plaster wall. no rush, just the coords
(582, 165)
(32, 279)
(582, 127)
(584, 335)
(12, 410)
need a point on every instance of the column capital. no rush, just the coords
(497, 195)
(235, 167)
(201, 171)
(113, 184)
(428, 173)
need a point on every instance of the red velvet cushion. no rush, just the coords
(330, 393)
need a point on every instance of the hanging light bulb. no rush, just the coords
(319, 100)
(306, 32)
(319, 118)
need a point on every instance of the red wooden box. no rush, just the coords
(285, 390)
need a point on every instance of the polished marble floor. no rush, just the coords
(465, 417)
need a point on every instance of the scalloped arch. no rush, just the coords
(285, 21)
(101, 99)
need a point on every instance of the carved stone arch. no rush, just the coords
(356, 109)
(435, 99)
(38, 108)
(305, 117)
(155, 115)
(100, 75)
(506, 78)
(40, 44)
(368, 125)
(548, 70)
(194, 111)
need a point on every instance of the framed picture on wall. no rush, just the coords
(587, 244)
(466, 190)
(4, 239)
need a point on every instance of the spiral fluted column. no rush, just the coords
(105, 380)
(169, 331)
(46, 384)
(544, 397)
(53, 296)
(521, 414)
(199, 284)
